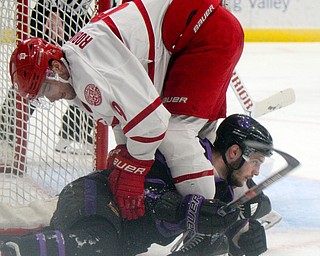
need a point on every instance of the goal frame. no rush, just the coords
(19, 166)
(101, 131)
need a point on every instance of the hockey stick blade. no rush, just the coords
(258, 108)
(292, 163)
(276, 101)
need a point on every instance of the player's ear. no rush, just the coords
(234, 152)
(56, 66)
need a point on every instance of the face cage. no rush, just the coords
(247, 155)
(40, 101)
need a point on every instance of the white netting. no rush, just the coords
(31, 168)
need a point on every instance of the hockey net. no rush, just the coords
(42, 150)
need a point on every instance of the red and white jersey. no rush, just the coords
(108, 60)
(139, 26)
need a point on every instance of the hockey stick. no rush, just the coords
(259, 108)
(292, 163)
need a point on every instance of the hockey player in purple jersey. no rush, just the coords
(87, 221)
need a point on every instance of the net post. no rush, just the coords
(101, 136)
(101, 146)
(22, 108)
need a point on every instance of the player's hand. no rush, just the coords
(247, 237)
(201, 214)
(211, 222)
(126, 182)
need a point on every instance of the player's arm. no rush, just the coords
(193, 213)
(143, 120)
(132, 162)
(144, 126)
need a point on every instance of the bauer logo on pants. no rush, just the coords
(92, 95)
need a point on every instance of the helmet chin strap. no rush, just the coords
(64, 81)
(231, 168)
(69, 81)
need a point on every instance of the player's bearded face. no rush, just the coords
(248, 170)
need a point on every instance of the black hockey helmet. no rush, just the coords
(238, 129)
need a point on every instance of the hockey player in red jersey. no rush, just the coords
(98, 85)
(90, 224)
(109, 68)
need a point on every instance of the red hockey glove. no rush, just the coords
(127, 181)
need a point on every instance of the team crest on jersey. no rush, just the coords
(22, 56)
(92, 95)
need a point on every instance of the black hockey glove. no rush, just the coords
(195, 213)
(246, 237)
(257, 207)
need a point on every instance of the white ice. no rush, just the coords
(267, 68)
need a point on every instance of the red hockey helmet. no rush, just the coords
(29, 63)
